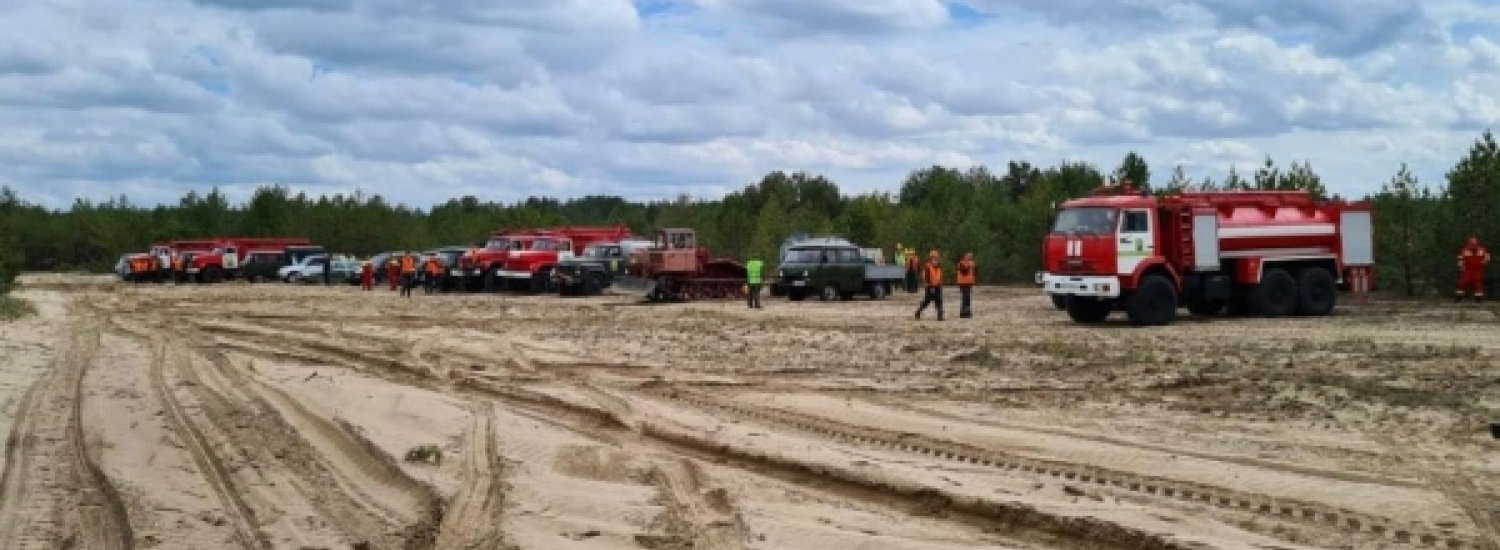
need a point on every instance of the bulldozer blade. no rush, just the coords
(632, 286)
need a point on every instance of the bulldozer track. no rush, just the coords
(46, 450)
(209, 464)
(1307, 513)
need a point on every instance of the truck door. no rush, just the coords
(851, 269)
(1136, 240)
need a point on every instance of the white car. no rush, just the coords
(288, 273)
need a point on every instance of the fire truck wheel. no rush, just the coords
(1089, 310)
(492, 280)
(1316, 291)
(1276, 295)
(1060, 301)
(1153, 303)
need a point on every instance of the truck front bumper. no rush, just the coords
(508, 274)
(1080, 285)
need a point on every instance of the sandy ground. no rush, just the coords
(278, 416)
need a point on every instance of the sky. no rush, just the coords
(426, 100)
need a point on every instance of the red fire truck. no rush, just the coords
(533, 257)
(223, 260)
(480, 269)
(1269, 253)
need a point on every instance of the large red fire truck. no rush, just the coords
(533, 257)
(480, 269)
(1269, 253)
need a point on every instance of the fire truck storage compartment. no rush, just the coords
(1205, 240)
(1355, 238)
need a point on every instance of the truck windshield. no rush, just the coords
(803, 256)
(1086, 221)
(497, 244)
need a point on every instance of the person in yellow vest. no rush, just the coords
(912, 271)
(965, 280)
(932, 277)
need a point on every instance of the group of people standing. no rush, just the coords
(930, 276)
(401, 272)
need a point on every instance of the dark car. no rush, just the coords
(596, 269)
(833, 268)
(262, 266)
(449, 256)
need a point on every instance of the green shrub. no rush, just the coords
(10, 264)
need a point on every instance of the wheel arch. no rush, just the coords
(1156, 266)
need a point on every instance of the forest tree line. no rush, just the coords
(1001, 217)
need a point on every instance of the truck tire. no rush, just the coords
(796, 294)
(876, 290)
(493, 282)
(541, 281)
(1316, 292)
(1060, 301)
(593, 283)
(1154, 302)
(1276, 295)
(830, 293)
(1089, 311)
(213, 275)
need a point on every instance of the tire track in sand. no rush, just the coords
(51, 493)
(472, 521)
(618, 427)
(212, 468)
(1304, 513)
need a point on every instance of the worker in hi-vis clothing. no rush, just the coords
(965, 282)
(932, 277)
(1471, 261)
(754, 277)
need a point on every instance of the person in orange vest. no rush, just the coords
(1471, 261)
(965, 282)
(393, 270)
(932, 277)
(408, 273)
(434, 270)
(366, 275)
(176, 268)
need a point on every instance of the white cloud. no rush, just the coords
(424, 100)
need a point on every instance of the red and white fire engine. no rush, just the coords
(1269, 253)
(533, 257)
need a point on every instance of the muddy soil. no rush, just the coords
(277, 416)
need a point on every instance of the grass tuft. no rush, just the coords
(13, 308)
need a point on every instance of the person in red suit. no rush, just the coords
(366, 275)
(1471, 261)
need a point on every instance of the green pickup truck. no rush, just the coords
(833, 268)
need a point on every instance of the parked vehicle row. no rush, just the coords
(569, 260)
